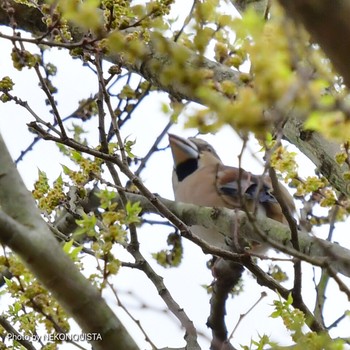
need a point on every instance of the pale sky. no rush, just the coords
(75, 83)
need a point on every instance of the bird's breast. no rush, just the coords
(200, 188)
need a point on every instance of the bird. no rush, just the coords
(200, 178)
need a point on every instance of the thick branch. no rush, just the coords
(320, 151)
(314, 250)
(27, 18)
(227, 275)
(23, 230)
(328, 23)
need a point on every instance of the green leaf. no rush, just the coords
(66, 170)
(133, 210)
(7, 281)
(71, 250)
(67, 246)
(76, 156)
(128, 147)
(75, 252)
(107, 199)
(86, 225)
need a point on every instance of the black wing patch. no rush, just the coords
(265, 195)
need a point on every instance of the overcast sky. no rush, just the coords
(76, 82)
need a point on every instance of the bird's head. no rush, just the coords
(191, 154)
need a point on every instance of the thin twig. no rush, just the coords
(51, 101)
(153, 149)
(137, 322)
(297, 296)
(242, 316)
(324, 279)
(76, 114)
(186, 21)
(107, 100)
(25, 105)
(84, 42)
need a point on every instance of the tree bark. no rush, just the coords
(264, 230)
(329, 25)
(24, 231)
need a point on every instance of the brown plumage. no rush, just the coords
(201, 178)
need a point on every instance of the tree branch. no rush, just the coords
(334, 36)
(227, 274)
(24, 231)
(312, 249)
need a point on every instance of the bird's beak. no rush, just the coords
(182, 149)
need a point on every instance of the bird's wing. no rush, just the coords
(237, 185)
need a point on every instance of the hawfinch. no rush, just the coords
(201, 178)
